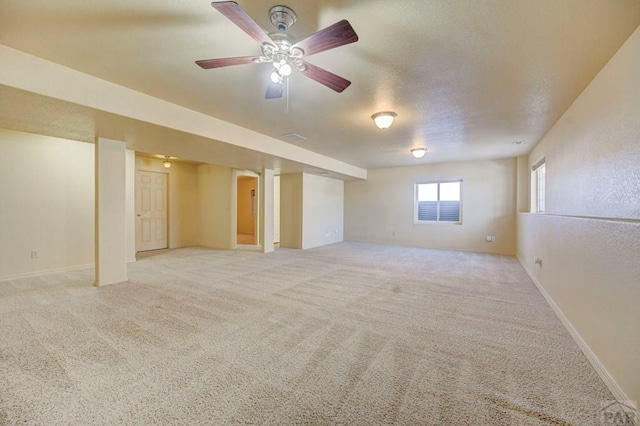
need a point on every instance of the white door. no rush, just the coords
(151, 210)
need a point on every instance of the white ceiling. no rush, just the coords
(466, 77)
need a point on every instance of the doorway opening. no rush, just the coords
(247, 209)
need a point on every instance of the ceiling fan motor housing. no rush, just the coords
(282, 17)
(282, 51)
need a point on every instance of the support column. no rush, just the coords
(110, 226)
(266, 227)
(130, 203)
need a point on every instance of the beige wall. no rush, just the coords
(245, 223)
(214, 212)
(46, 203)
(381, 209)
(589, 238)
(291, 210)
(268, 210)
(311, 210)
(322, 211)
(276, 209)
(110, 208)
(523, 184)
(183, 205)
(130, 213)
(183, 199)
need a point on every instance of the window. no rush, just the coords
(438, 202)
(538, 186)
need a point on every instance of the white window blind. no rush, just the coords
(438, 201)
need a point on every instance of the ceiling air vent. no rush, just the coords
(294, 137)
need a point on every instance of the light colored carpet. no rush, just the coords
(344, 334)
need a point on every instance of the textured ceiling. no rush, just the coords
(467, 78)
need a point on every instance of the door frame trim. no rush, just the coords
(234, 210)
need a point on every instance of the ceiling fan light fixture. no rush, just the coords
(384, 119)
(281, 49)
(275, 76)
(285, 69)
(418, 152)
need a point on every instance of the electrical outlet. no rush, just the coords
(35, 254)
(490, 238)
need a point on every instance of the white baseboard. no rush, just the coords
(613, 386)
(46, 272)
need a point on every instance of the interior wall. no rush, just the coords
(130, 208)
(276, 209)
(46, 204)
(589, 237)
(322, 211)
(182, 199)
(267, 209)
(381, 208)
(291, 210)
(245, 221)
(214, 185)
(523, 184)
(311, 210)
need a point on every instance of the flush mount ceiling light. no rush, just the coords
(166, 162)
(418, 152)
(384, 119)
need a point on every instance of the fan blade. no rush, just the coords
(336, 35)
(225, 62)
(238, 16)
(274, 91)
(325, 77)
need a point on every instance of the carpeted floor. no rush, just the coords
(344, 334)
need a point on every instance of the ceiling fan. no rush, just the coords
(279, 48)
